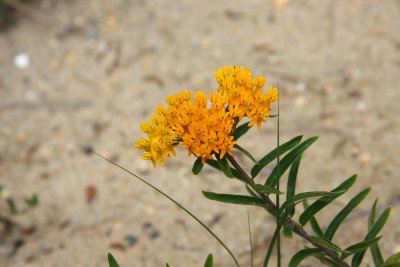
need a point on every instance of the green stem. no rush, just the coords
(278, 223)
(177, 203)
(297, 228)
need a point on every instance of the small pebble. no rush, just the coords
(111, 23)
(364, 159)
(361, 106)
(131, 240)
(355, 151)
(150, 210)
(21, 61)
(300, 101)
(31, 96)
(150, 230)
(301, 86)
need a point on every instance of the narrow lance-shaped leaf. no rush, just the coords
(375, 251)
(241, 130)
(339, 218)
(306, 195)
(301, 255)
(372, 215)
(112, 262)
(11, 205)
(224, 164)
(325, 260)
(324, 201)
(326, 243)
(245, 152)
(392, 261)
(251, 191)
(360, 246)
(271, 156)
(268, 189)
(291, 184)
(209, 261)
(375, 229)
(288, 160)
(234, 199)
(166, 264)
(313, 221)
(197, 166)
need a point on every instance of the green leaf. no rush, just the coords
(166, 264)
(291, 184)
(313, 221)
(372, 215)
(288, 230)
(301, 255)
(267, 189)
(376, 254)
(339, 218)
(11, 205)
(234, 199)
(326, 243)
(209, 261)
(32, 201)
(235, 173)
(392, 260)
(274, 154)
(241, 130)
(111, 261)
(251, 191)
(325, 260)
(375, 251)
(197, 166)
(324, 201)
(375, 229)
(305, 195)
(245, 152)
(287, 160)
(360, 246)
(224, 164)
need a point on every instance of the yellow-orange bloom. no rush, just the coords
(206, 129)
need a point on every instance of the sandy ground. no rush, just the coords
(98, 68)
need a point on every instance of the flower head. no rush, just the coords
(206, 129)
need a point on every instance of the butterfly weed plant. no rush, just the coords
(210, 127)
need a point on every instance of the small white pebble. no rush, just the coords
(301, 86)
(361, 106)
(31, 96)
(21, 61)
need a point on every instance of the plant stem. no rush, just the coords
(278, 239)
(297, 228)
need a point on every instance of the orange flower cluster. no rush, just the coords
(202, 128)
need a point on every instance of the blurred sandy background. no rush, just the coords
(97, 68)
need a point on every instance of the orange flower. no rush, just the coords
(206, 129)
